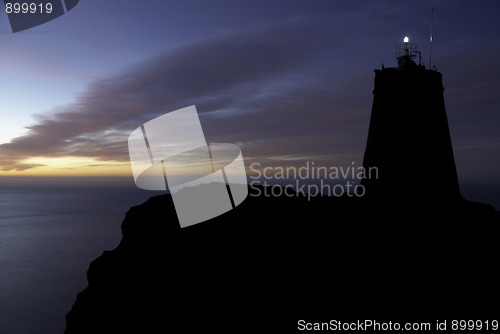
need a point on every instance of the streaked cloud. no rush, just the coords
(294, 90)
(261, 80)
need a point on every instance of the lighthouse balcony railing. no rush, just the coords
(408, 49)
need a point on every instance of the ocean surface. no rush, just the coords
(49, 234)
(50, 231)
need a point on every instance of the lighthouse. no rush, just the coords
(408, 138)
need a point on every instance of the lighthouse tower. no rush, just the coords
(409, 139)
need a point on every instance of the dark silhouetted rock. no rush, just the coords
(411, 250)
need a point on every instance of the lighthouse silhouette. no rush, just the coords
(409, 139)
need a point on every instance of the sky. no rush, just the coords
(287, 81)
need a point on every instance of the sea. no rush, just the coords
(50, 231)
(52, 228)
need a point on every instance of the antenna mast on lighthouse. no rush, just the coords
(430, 49)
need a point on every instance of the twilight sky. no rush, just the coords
(288, 81)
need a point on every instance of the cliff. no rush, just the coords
(412, 249)
(275, 260)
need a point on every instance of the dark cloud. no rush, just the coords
(217, 73)
(302, 89)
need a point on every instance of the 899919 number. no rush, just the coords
(25, 8)
(474, 325)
